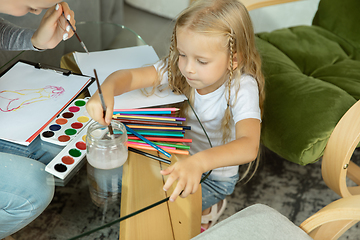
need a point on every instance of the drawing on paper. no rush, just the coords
(14, 100)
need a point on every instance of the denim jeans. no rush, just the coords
(26, 189)
(37, 149)
(216, 188)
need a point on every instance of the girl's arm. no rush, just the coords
(117, 83)
(242, 150)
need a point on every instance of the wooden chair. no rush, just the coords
(336, 164)
(334, 219)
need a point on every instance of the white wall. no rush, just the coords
(284, 15)
(264, 19)
(165, 8)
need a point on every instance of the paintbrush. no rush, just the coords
(103, 103)
(81, 42)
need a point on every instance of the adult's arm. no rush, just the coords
(15, 38)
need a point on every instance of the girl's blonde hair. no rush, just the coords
(228, 18)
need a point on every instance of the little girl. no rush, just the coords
(214, 62)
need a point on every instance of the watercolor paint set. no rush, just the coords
(68, 124)
(68, 130)
(70, 157)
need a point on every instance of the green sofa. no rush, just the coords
(312, 79)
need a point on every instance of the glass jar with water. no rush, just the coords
(105, 153)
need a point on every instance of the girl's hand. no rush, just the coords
(188, 172)
(54, 27)
(95, 110)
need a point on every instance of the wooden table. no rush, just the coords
(142, 185)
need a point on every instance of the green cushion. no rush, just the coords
(312, 79)
(341, 18)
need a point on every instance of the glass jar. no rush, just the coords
(105, 154)
(105, 151)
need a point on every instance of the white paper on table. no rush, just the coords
(107, 62)
(30, 98)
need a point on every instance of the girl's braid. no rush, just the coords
(171, 53)
(225, 123)
(231, 48)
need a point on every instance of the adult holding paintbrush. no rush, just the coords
(24, 192)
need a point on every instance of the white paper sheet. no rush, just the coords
(107, 62)
(30, 97)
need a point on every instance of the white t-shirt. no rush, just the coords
(210, 109)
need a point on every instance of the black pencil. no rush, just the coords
(149, 155)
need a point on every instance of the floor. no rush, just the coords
(295, 191)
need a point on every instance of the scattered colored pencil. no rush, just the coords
(164, 139)
(142, 112)
(147, 119)
(154, 127)
(167, 118)
(159, 133)
(164, 144)
(182, 152)
(144, 117)
(148, 142)
(150, 124)
(148, 109)
(147, 145)
(146, 122)
(148, 155)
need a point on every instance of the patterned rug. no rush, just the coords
(295, 191)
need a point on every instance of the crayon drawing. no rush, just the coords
(14, 100)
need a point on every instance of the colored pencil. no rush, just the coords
(164, 139)
(133, 126)
(146, 122)
(147, 145)
(151, 120)
(164, 144)
(159, 131)
(164, 127)
(168, 118)
(153, 133)
(142, 112)
(148, 142)
(144, 117)
(149, 133)
(182, 152)
(148, 109)
(148, 155)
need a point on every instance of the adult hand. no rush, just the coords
(54, 27)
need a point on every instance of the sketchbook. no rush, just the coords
(107, 62)
(31, 96)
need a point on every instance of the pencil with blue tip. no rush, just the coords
(148, 142)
